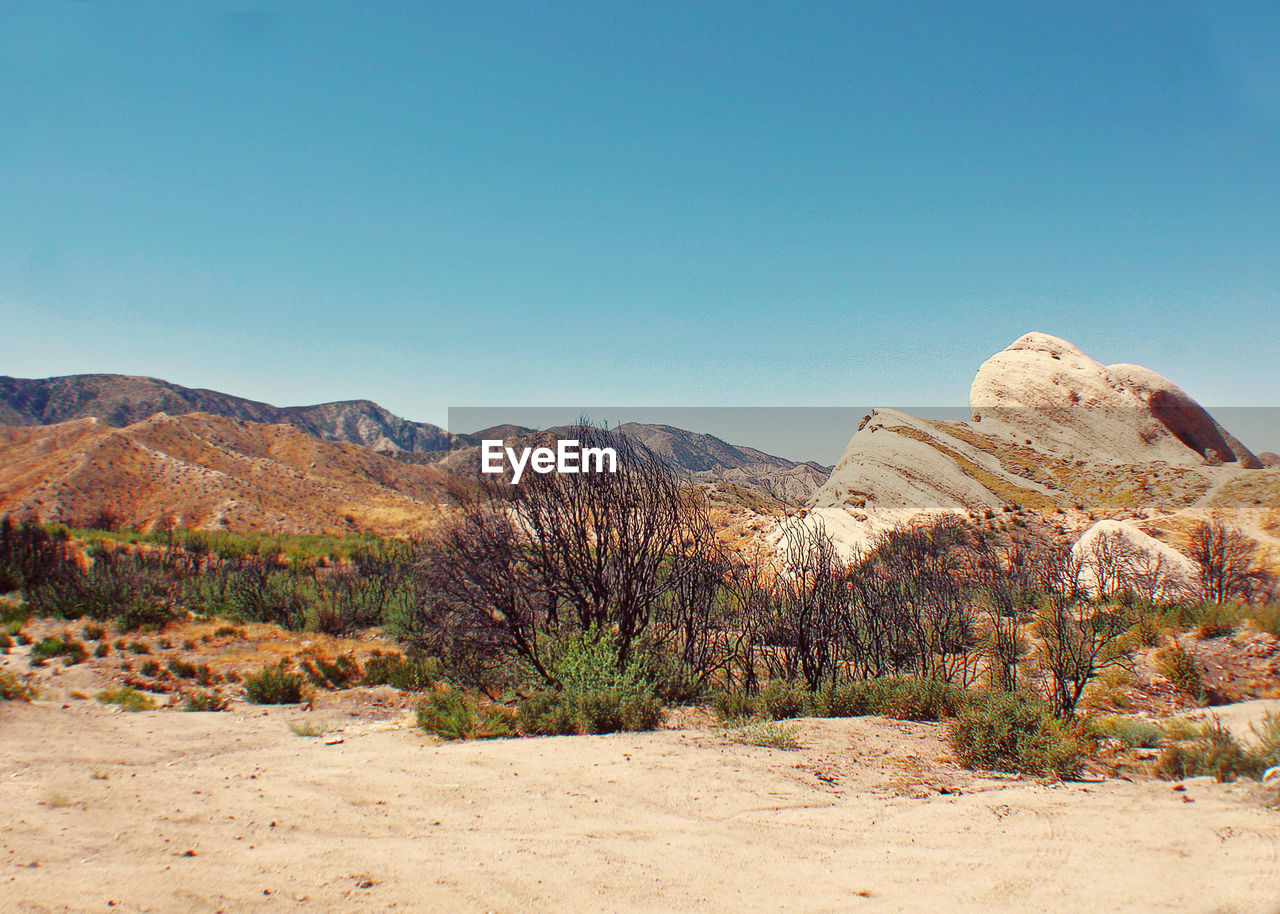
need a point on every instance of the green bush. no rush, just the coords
(1012, 731)
(617, 710)
(1267, 734)
(181, 669)
(273, 685)
(778, 700)
(1211, 749)
(11, 689)
(848, 699)
(409, 674)
(326, 675)
(730, 706)
(591, 693)
(205, 676)
(205, 701)
(93, 632)
(1215, 752)
(1145, 631)
(1134, 732)
(899, 697)
(912, 698)
(70, 650)
(1178, 666)
(146, 614)
(1267, 619)
(781, 700)
(127, 698)
(102, 649)
(547, 714)
(453, 715)
(150, 668)
(1217, 619)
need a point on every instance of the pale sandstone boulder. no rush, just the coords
(1044, 390)
(898, 469)
(1112, 555)
(1042, 394)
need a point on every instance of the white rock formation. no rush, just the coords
(1041, 396)
(897, 469)
(1047, 392)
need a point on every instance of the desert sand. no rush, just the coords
(168, 811)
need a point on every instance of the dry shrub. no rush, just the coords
(1013, 731)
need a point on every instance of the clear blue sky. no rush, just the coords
(736, 203)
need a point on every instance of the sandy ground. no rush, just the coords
(169, 811)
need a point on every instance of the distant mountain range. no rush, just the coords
(121, 400)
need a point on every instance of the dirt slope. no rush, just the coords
(201, 471)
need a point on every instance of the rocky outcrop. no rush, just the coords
(1056, 398)
(1052, 430)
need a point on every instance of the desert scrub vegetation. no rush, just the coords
(205, 701)
(1131, 732)
(144, 581)
(898, 697)
(1175, 664)
(1209, 749)
(453, 715)
(338, 673)
(592, 692)
(274, 685)
(770, 734)
(407, 673)
(126, 698)
(586, 603)
(11, 689)
(1016, 732)
(70, 650)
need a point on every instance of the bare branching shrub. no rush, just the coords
(1076, 643)
(1224, 557)
(263, 590)
(630, 552)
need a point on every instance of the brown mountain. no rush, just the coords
(709, 459)
(211, 472)
(121, 400)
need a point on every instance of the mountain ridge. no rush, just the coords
(122, 400)
(202, 471)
